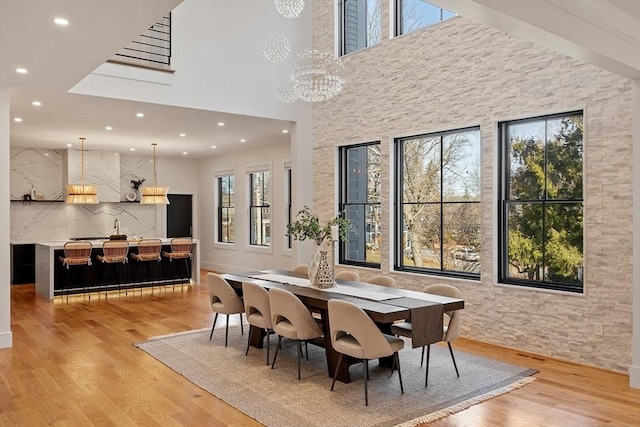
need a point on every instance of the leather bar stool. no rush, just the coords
(148, 254)
(77, 257)
(114, 256)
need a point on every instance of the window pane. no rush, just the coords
(416, 14)
(461, 166)
(525, 246)
(421, 170)
(226, 198)
(563, 246)
(421, 236)
(564, 158)
(360, 22)
(227, 229)
(461, 247)
(526, 154)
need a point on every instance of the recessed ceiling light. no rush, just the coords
(213, 146)
(139, 114)
(243, 140)
(132, 149)
(17, 119)
(183, 134)
(46, 154)
(21, 70)
(108, 127)
(220, 123)
(36, 103)
(184, 153)
(69, 145)
(285, 131)
(61, 21)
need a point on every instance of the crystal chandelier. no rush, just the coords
(285, 91)
(317, 75)
(276, 47)
(154, 195)
(289, 8)
(82, 194)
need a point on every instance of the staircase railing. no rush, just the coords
(151, 48)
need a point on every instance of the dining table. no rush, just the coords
(384, 305)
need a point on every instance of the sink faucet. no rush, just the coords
(116, 225)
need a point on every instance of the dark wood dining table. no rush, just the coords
(425, 311)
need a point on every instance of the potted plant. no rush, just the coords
(307, 226)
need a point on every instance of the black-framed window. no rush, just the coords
(226, 205)
(438, 203)
(360, 202)
(411, 15)
(359, 24)
(541, 202)
(259, 209)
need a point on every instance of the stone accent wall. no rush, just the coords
(457, 74)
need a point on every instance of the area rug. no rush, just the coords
(275, 397)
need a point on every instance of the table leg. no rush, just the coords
(256, 336)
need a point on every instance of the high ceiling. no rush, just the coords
(603, 32)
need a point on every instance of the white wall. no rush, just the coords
(240, 256)
(5, 287)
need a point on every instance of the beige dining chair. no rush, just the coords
(302, 269)
(383, 281)
(354, 333)
(451, 327)
(257, 310)
(224, 300)
(291, 319)
(349, 275)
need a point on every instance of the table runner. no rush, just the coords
(340, 289)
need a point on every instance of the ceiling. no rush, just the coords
(59, 57)
(603, 32)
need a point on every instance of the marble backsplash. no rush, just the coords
(47, 171)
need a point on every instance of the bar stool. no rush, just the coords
(148, 252)
(180, 249)
(77, 255)
(114, 254)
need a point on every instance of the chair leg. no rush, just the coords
(306, 349)
(397, 360)
(276, 354)
(365, 365)
(214, 325)
(335, 373)
(241, 327)
(453, 358)
(246, 353)
(422, 357)
(426, 375)
(226, 332)
(299, 357)
(268, 344)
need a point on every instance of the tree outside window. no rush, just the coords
(226, 203)
(360, 203)
(438, 200)
(359, 22)
(542, 202)
(412, 15)
(259, 209)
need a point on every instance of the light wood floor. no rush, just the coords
(73, 364)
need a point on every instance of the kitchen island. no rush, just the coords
(49, 269)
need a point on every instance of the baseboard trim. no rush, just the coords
(634, 377)
(6, 339)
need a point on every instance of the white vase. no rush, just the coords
(314, 263)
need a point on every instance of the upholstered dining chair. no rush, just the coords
(291, 319)
(354, 333)
(224, 300)
(451, 327)
(148, 254)
(257, 310)
(302, 269)
(383, 281)
(352, 276)
(77, 255)
(180, 250)
(114, 256)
